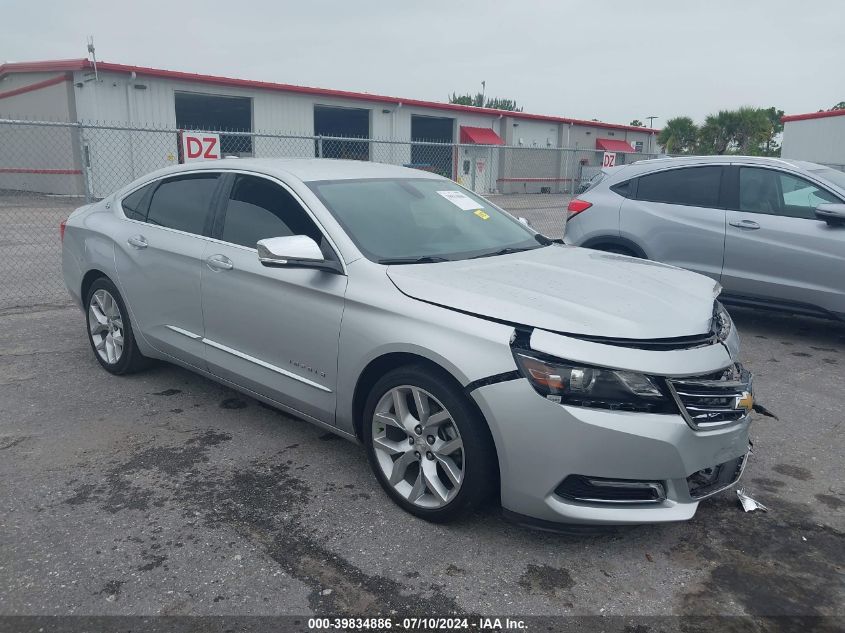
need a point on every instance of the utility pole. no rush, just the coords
(483, 90)
(93, 55)
(651, 120)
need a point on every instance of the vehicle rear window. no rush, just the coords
(695, 186)
(183, 203)
(134, 206)
(594, 181)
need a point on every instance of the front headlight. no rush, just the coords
(722, 322)
(594, 387)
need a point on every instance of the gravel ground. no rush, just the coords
(167, 494)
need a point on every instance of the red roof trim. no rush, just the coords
(480, 136)
(613, 145)
(84, 64)
(36, 86)
(811, 115)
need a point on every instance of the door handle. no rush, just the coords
(745, 224)
(219, 262)
(137, 241)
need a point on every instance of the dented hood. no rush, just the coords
(568, 289)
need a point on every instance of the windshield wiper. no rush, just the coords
(425, 259)
(548, 241)
(504, 251)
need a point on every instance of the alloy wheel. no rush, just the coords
(418, 446)
(105, 323)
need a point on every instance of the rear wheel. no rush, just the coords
(110, 330)
(427, 446)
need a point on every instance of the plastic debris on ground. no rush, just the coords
(749, 504)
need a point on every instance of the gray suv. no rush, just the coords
(771, 231)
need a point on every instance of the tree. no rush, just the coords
(678, 136)
(636, 123)
(771, 147)
(479, 101)
(502, 104)
(743, 131)
(468, 99)
(839, 106)
(717, 132)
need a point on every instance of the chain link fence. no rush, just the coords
(49, 168)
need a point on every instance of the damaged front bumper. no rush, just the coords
(570, 464)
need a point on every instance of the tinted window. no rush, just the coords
(258, 209)
(623, 188)
(183, 203)
(778, 193)
(134, 206)
(696, 186)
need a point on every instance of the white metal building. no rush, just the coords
(71, 90)
(818, 137)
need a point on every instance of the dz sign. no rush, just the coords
(609, 159)
(199, 146)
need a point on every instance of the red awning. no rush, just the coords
(480, 136)
(612, 145)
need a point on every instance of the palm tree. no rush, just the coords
(678, 136)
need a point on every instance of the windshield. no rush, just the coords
(402, 220)
(833, 175)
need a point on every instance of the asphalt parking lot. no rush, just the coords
(165, 493)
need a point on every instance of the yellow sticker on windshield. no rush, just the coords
(481, 214)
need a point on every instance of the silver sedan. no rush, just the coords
(472, 356)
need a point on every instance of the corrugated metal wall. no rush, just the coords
(45, 159)
(817, 140)
(148, 102)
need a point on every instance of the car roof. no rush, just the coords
(304, 169)
(654, 164)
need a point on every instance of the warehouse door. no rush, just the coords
(196, 111)
(345, 123)
(435, 158)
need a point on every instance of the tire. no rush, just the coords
(107, 318)
(456, 442)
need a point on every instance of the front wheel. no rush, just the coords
(427, 445)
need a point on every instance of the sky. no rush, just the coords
(612, 60)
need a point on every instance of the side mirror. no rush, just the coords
(832, 213)
(293, 251)
(525, 221)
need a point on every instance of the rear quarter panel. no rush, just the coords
(600, 220)
(87, 246)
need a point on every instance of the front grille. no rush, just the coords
(712, 401)
(601, 490)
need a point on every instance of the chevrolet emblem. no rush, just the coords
(745, 401)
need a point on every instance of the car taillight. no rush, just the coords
(62, 230)
(576, 206)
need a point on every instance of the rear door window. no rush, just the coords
(691, 186)
(183, 202)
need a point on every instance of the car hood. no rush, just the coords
(569, 290)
